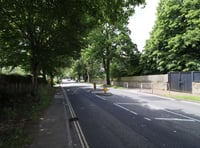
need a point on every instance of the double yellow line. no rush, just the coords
(74, 118)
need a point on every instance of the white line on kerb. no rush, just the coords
(117, 104)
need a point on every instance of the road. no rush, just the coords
(129, 119)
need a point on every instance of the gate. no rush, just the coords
(181, 81)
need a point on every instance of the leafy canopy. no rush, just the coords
(43, 36)
(175, 38)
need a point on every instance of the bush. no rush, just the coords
(21, 110)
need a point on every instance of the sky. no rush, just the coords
(142, 22)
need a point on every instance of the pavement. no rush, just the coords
(53, 129)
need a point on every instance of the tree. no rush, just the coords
(91, 65)
(112, 44)
(175, 38)
(126, 60)
(103, 39)
(33, 33)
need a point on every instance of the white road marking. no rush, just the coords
(100, 98)
(181, 115)
(189, 119)
(147, 118)
(128, 103)
(116, 104)
(153, 107)
(133, 112)
(174, 119)
(143, 105)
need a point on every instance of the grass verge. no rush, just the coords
(22, 110)
(186, 97)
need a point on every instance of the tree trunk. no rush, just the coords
(84, 77)
(79, 78)
(51, 79)
(106, 64)
(35, 68)
(108, 72)
(88, 77)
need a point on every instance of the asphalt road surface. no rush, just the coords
(129, 119)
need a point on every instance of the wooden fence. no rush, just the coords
(15, 84)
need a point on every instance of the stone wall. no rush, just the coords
(98, 81)
(146, 82)
(147, 78)
(196, 88)
(159, 82)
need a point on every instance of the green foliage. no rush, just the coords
(111, 11)
(15, 116)
(42, 36)
(112, 45)
(175, 38)
(108, 41)
(187, 97)
(45, 95)
(14, 136)
(126, 61)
